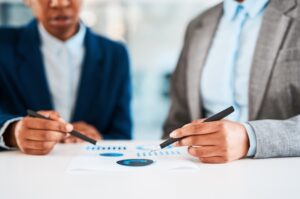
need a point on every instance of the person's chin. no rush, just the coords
(60, 30)
(61, 24)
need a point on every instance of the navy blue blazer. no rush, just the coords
(104, 93)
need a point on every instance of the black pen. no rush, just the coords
(213, 118)
(74, 133)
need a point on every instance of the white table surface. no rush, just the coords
(43, 177)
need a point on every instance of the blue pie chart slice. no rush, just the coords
(135, 162)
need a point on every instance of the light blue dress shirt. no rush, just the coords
(63, 64)
(225, 78)
(62, 61)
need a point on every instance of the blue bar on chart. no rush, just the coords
(160, 153)
(106, 148)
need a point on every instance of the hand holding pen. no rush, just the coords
(39, 132)
(213, 142)
(38, 136)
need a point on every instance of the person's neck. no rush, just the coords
(67, 35)
(63, 36)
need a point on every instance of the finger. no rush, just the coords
(204, 152)
(80, 123)
(62, 141)
(81, 129)
(196, 129)
(36, 151)
(214, 160)
(42, 124)
(53, 115)
(84, 127)
(200, 140)
(94, 135)
(194, 122)
(38, 145)
(64, 138)
(41, 135)
(70, 139)
(79, 140)
(198, 121)
(89, 131)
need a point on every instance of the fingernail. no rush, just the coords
(69, 127)
(173, 134)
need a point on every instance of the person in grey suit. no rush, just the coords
(245, 54)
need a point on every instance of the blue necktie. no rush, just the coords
(239, 20)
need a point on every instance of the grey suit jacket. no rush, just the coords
(274, 88)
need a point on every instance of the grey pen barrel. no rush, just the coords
(74, 133)
(83, 137)
(169, 142)
(215, 117)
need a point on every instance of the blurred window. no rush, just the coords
(153, 31)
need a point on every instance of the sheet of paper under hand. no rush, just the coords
(106, 156)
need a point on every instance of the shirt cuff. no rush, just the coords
(252, 140)
(3, 129)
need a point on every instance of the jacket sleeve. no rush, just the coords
(5, 116)
(277, 138)
(5, 120)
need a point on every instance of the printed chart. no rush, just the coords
(131, 157)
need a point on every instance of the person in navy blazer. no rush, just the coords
(102, 106)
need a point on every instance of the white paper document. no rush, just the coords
(105, 156)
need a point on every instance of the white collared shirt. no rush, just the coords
(63, 63)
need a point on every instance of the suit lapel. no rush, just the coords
(200, 43)
(30, 68)
(272, 34)
(88, 82)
